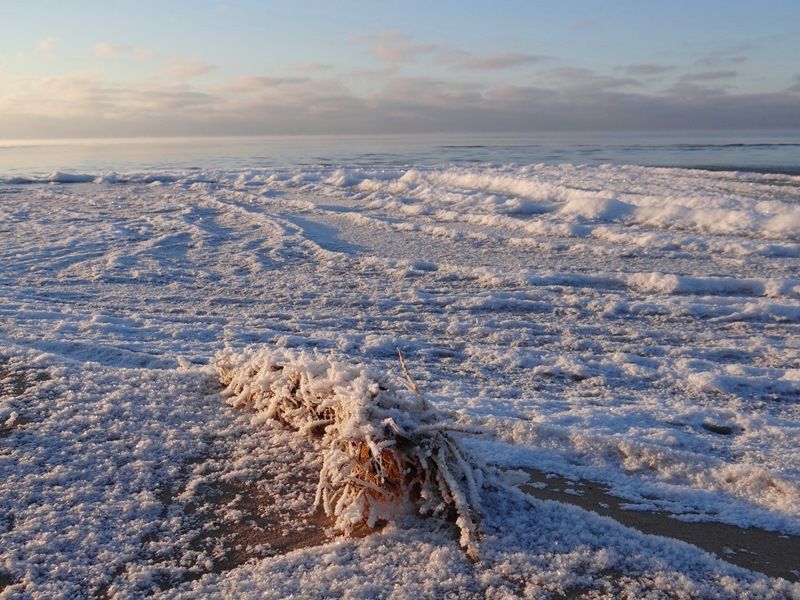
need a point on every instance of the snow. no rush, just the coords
(637, 327)
(383, 450)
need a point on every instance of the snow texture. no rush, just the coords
(637, 327)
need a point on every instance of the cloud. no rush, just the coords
(255, 84)
(47, 46)
(316, 67)
(62, 97)
(502, 61)
(572, 99)
(720, 60)
(397, 47)
(739, 53)
(106, 50)
(644, 69)
(427, 92)
(159, 100)
(732, 55)
(186, 69)
(578, 78)
(709, 76)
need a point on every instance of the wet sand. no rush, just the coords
(768, 552)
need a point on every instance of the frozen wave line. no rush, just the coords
(664, 199)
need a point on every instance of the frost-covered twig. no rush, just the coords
(409, 383)
(384, 448)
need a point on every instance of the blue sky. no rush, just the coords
(88, 68)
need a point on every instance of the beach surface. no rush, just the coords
(628, 337)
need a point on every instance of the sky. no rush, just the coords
(211, 67)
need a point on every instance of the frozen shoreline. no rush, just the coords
(638, 327)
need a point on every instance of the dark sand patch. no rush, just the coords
(15, 381)
(768, 552)
(233, 523)
(259, 530)
(7, 580)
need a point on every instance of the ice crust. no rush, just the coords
(604, 323)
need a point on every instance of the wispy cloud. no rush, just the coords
(47, 46)
(85, 104)
(64, 96)
(255, 84)
(740, 52)
(709, 76)
(579, 78)
(316, 67)
(495, 62)
(186, 69)
(107, 50)
(426, 91)
(398, 48)
(730, 55)
(461, 91)
(645, 69)
(717, 60)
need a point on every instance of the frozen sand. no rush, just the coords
(768, 552)
(630, 326)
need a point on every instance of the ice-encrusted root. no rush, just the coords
(385, 448)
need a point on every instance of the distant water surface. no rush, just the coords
(769, 152)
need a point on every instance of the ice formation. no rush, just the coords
(636, 328)
(382, 448)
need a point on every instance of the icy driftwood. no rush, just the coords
(385, 447)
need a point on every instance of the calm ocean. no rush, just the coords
(777, 152)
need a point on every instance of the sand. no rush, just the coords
(768, 552)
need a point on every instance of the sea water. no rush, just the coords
(768, 151)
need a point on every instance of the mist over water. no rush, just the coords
(777, 152)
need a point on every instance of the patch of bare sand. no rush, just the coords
(15, 381)
(768, 552)
(235, 523)
(258, 530)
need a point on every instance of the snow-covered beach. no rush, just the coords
(634, 327)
